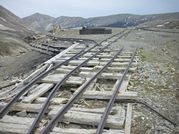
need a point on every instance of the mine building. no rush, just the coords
(95, 30)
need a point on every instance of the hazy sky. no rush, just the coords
(89, 8)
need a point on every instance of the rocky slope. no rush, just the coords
(12, 32)
(16, 57)
(38, 21)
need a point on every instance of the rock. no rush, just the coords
(172, 69)
(6, 78)
(130, 87)
(141, 82)
(131, 83)
(22, 113)
(142, 118)
(163, 49)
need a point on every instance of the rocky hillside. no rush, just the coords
(66, 22)
(12, 32)
(38, 21)
(119, 20)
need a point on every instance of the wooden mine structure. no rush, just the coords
(93, 30)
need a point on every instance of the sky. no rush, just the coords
(89, 8)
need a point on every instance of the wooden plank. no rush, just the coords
(67, 69)
(66, 55)
(103, 75)
(4, 92)
(128, 119)
(116, 69)
(127, 56)
(42, 51)
(46, 48)
(176, 131)
(93, 95)
(16, 120)
(58, 130)
(55, 101)
(118, 63)
(115, 122)
(116, 60)
(124, 84)
(72, 67)
(92, 87)
(105, 95)
(90, 63)
(28, 107)
(8, 128)
(77, 62)
(36, 107)
(98, 96)
(89, 54)
(12, 127)
(84, 58)
(40, 90)
(55, 78)
(119, 109)
(80, 116)
(33, 75)
(61, 54)
(63, 70)
(107, 55)
(14, 124)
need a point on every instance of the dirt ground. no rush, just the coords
(156, 80)
(15, 67)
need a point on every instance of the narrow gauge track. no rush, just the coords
(62, 111)
(56, 88)
(35, 80)
(99, 48)
(156, 30)
(113, 97)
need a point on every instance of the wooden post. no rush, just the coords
(128, 119)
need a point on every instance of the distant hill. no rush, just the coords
(38, 21)
(12, 32)
(119, 20)
(67, 22)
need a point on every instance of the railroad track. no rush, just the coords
(75, 92)
(156, 30)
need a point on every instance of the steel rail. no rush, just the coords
(122, 32)
(75, 97)
(55, 89)
(5, 109)
(113, 97)
(112, 36)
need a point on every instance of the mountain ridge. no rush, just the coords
(116, 20)
(38, 21)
